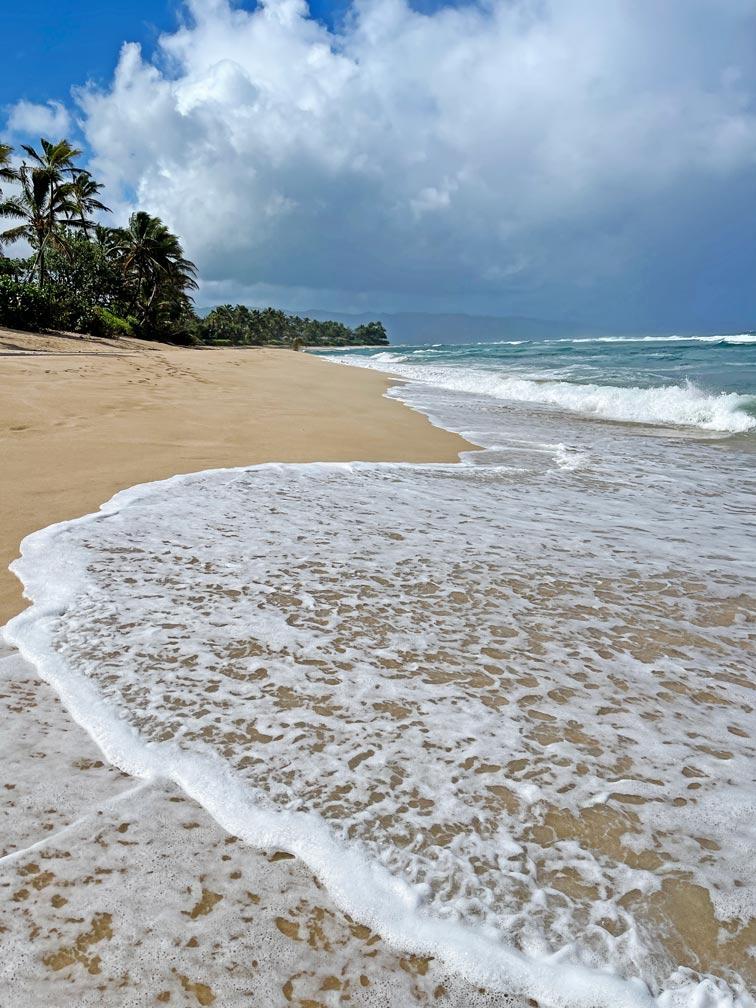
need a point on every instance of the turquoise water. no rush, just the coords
(705, 382)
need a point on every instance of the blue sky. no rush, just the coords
(49, 46)
(559, 159)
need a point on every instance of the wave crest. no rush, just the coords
(677, 405)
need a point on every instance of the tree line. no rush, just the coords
(86, 277)
(82, 275)
(238, 325)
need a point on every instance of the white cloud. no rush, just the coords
(504, 152)
(51, 120)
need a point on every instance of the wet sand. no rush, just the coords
(118, 892)
(121, 892)
(82, 419)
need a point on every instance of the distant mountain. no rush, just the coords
(419, 328)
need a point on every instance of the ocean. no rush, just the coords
(704, 382)
(503, 709)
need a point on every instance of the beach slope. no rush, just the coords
(120, 892)
(82, 419)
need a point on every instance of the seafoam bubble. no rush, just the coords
(490, 710)
(569, 458)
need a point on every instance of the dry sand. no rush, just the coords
(120, 893)
(81, 419)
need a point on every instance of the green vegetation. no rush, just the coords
(82, 276)
(133, 281)
(47, 205)
(7, 173)
(26, 306)
(237, 325)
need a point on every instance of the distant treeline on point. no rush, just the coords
(238, 325)
(133, 281)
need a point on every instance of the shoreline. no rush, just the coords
(77, 427)
(94, 416)
(309, 982)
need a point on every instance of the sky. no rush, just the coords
(586, 160)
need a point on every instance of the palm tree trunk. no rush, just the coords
(41, 260)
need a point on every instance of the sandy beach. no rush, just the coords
(377, 526)
(119, 892)
(82, 419)
(522, 686)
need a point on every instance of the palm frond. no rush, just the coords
(7, 173)
(13, 208)
(13, 234)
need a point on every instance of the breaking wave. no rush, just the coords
(679, 405)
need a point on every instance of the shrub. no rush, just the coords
(27, 306)
(71, 311)
(108, 324)
(56, 306)
(185, 337)
(12, 267)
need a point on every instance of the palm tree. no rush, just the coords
(84, 192)
(153, 261)
(42, 207)
(49, 201)
(47, 174)
(7, 173)
(54, 160)
(106, 238)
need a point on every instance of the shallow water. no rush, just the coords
(504, 710)
(124, 894)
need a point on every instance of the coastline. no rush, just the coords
(81, 420)
(123, 893)
(78, 426)
(290, 908)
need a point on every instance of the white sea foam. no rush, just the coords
(384, 357)
(569, 458)
(502, 710)
(679, 405)
(734, 339)
(67, 599)
(737, 338)
(428, 682)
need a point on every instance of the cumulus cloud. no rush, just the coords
(50, 120)
(512, 155)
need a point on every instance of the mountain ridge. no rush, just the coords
(418, 328)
